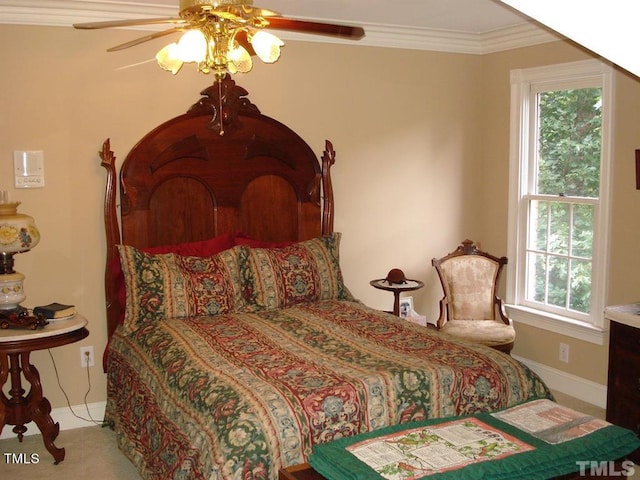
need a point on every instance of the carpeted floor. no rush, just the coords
(91, 453)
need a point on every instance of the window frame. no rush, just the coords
(525, 85)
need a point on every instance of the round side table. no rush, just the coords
(396, 288)
(19, 409)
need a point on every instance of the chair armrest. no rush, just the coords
(444, 311)
(502, 312)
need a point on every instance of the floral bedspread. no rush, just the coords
(243, 395)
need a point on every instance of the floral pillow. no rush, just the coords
(175, 286)
(201, 248)
(304, 272)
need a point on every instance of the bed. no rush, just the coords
(234, 344)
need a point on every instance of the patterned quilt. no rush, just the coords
(243, 395)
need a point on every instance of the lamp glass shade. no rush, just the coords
(266, 46)
(240, 59)
(192, 46)
(18, 232)
(168, 59)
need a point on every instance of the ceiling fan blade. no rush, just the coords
(126, 23)
(317, 28)
(146, 38)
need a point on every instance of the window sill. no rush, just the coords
(557, 324)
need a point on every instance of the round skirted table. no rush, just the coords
(17, 408)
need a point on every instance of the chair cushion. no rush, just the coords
(471, 282)
(486, 332)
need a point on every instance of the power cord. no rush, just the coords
(55, 369)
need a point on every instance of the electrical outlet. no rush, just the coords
(86, 357)
(564, 353)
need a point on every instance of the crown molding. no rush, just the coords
(64, 13)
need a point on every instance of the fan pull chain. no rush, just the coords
(220, 110)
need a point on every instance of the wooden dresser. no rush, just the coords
(623, 389)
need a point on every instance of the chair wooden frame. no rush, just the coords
(468, 247)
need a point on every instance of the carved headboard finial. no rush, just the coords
(224, 100)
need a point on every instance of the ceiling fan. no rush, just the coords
(221, 36)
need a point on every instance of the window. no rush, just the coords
(558, 200)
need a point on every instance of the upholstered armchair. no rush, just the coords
(470, 307)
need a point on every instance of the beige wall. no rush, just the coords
(421, 138)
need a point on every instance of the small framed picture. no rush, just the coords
(406, 306)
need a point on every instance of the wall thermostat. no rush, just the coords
(28, 168)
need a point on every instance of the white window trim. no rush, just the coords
(521, 81)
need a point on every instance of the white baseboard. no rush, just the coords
(578, 387)
(66, 419)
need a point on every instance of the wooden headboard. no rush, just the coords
(222, 167)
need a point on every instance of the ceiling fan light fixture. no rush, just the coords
(216, 49)
(266, 46)
(221, 36)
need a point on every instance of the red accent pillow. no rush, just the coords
(244, 239)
